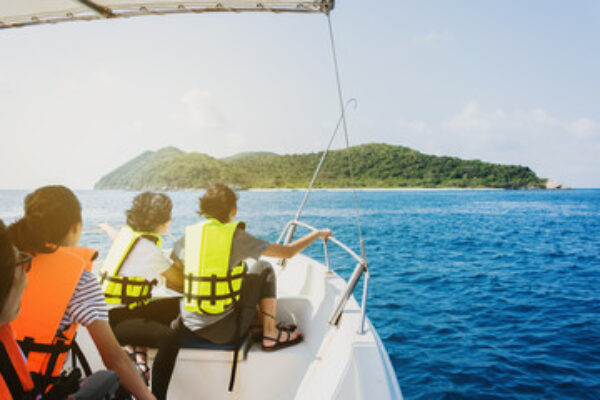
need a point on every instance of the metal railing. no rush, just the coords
(361, 267)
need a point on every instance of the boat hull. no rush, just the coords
(333, 362)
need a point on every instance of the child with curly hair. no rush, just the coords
(134, 276)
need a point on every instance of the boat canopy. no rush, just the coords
(18, 13)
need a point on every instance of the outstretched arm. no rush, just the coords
(290, 250)
(109, 230)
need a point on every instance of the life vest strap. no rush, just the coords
(120, 279)
(203, 310)
(126, 282)
(43, 380)
(77, 355)
(10, 377)
(214, 278)
(28, 345)
(210, 297)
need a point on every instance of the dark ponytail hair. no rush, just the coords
(50, 212)
(7, 264)
(217, 202)
(149, 211)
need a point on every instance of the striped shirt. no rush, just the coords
(87, 304)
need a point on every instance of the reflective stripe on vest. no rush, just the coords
(129, 290)
(209, 285)
(50, 286)
(17, 375)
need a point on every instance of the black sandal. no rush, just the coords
(279, 344)
(256, 331)
(141, 366)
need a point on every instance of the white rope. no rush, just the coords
(341, 100)
(292, 230)
(314, 178)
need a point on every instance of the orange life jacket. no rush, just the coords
(13, 367)
(51, 283)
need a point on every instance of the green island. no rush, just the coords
(375, 165)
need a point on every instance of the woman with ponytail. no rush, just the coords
(62, 292)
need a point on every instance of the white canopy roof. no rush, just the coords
(17, 13)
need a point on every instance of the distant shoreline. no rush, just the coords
(416, 189)
(403, 189)
(362, 189)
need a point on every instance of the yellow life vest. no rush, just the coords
(131, 291)
(209, 285)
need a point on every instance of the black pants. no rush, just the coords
(259, 283)
(149, 326)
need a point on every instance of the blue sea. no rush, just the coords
(478, 294)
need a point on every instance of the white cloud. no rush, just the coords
(102, 76)
(200, 111)
(540, 115)
(71, 127)
(4, 86)
(138, 126)
(235, 140)
(554, 147)
(406, 126)
(431, 38)
(472, 121)
(471, 118)
(584, 128)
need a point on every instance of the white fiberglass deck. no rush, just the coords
(331, 363)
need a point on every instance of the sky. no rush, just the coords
(509, 82)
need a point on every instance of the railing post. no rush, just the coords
(361, 267)
(326, 255)
(358, 271)
(288, 233)
(363, 306)
(285, 229)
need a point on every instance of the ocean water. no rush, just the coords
(475, 294)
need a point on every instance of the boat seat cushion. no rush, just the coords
(187, 340)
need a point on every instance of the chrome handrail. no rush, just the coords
(361, 267)
(313, 229)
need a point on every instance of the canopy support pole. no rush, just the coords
(104, 11)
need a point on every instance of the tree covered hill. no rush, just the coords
(375, 165)
(248, 154)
